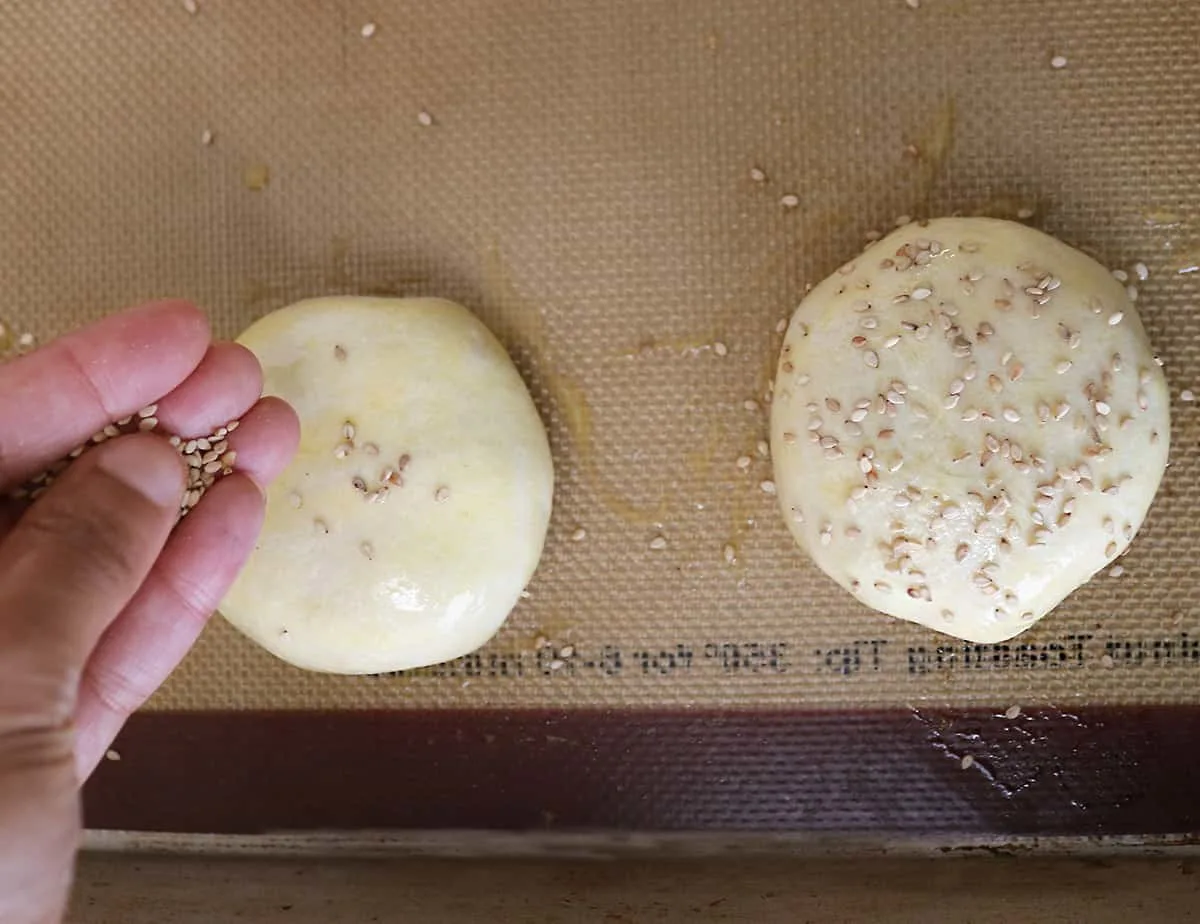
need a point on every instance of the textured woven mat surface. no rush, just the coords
(585, 186)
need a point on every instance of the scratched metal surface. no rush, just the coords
(585, 186)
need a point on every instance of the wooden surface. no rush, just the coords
(132, 889)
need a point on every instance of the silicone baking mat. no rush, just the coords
(633, 196)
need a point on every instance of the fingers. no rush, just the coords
(163, 620)
(226, 383)
(200, 561)
(57, 397)
(72, 563)
(266, 440)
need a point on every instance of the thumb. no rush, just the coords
(72, 563)
(67, 569)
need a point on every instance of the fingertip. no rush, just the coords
(266, 440)
(225, 384)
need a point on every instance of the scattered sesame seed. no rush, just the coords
(367, 30)
(424, 118)
(579, 535)
(768, 486)
(750, 404)
(1116, 571)
(206, 137)
(912, 5)
(112, 754)
(1115, 318)
(658, 543)
(789, 201)
(191, 7)
(921, 293)
(730, 554)
(720, 349)
(1141, 271)
(871, 358)
(339, 352)
(368, 551)
(1058, 62)
(743, 462)
(442, 494)
(1012, 712)
(757, 175)
(1187, 395)
(1063, 366)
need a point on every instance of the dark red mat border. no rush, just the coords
(1099, 771)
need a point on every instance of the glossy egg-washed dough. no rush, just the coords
(416, 508)
(968, 424)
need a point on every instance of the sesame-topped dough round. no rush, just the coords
(968, 424)
(414, 513)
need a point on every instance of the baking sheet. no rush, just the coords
(584, 184)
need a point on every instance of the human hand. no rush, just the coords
(99, 598)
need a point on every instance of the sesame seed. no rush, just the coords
(191, 7)
(296, 500)
(730, 554)
(1187, 395)
(367, 30)
(750, 404)
(743, 462)
(768, 486)
(871, 358)
(757, 175)
(1102, 408)
(1132, 293)
(789, 201)
(1012, 712)
(1063, 366)
(921, 293)
(1116, 317)
(658, 543)
(1011, 415)
(1058, 62)
(424, 118)
(339, 352)
(368, 551)
(1116, 571)
(146, 424)
(442, 494)
(1141, 271)
(720, 349)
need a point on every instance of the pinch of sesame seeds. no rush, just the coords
(658, 543)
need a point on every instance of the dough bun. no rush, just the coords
(968, 424)
(415, 511)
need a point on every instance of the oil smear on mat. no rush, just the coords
(414, 514)
(968, 424)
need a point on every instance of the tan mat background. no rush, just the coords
(585, 186)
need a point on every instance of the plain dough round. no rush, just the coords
(415, 511)
(968, 424)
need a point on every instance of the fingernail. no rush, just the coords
(146, 464)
